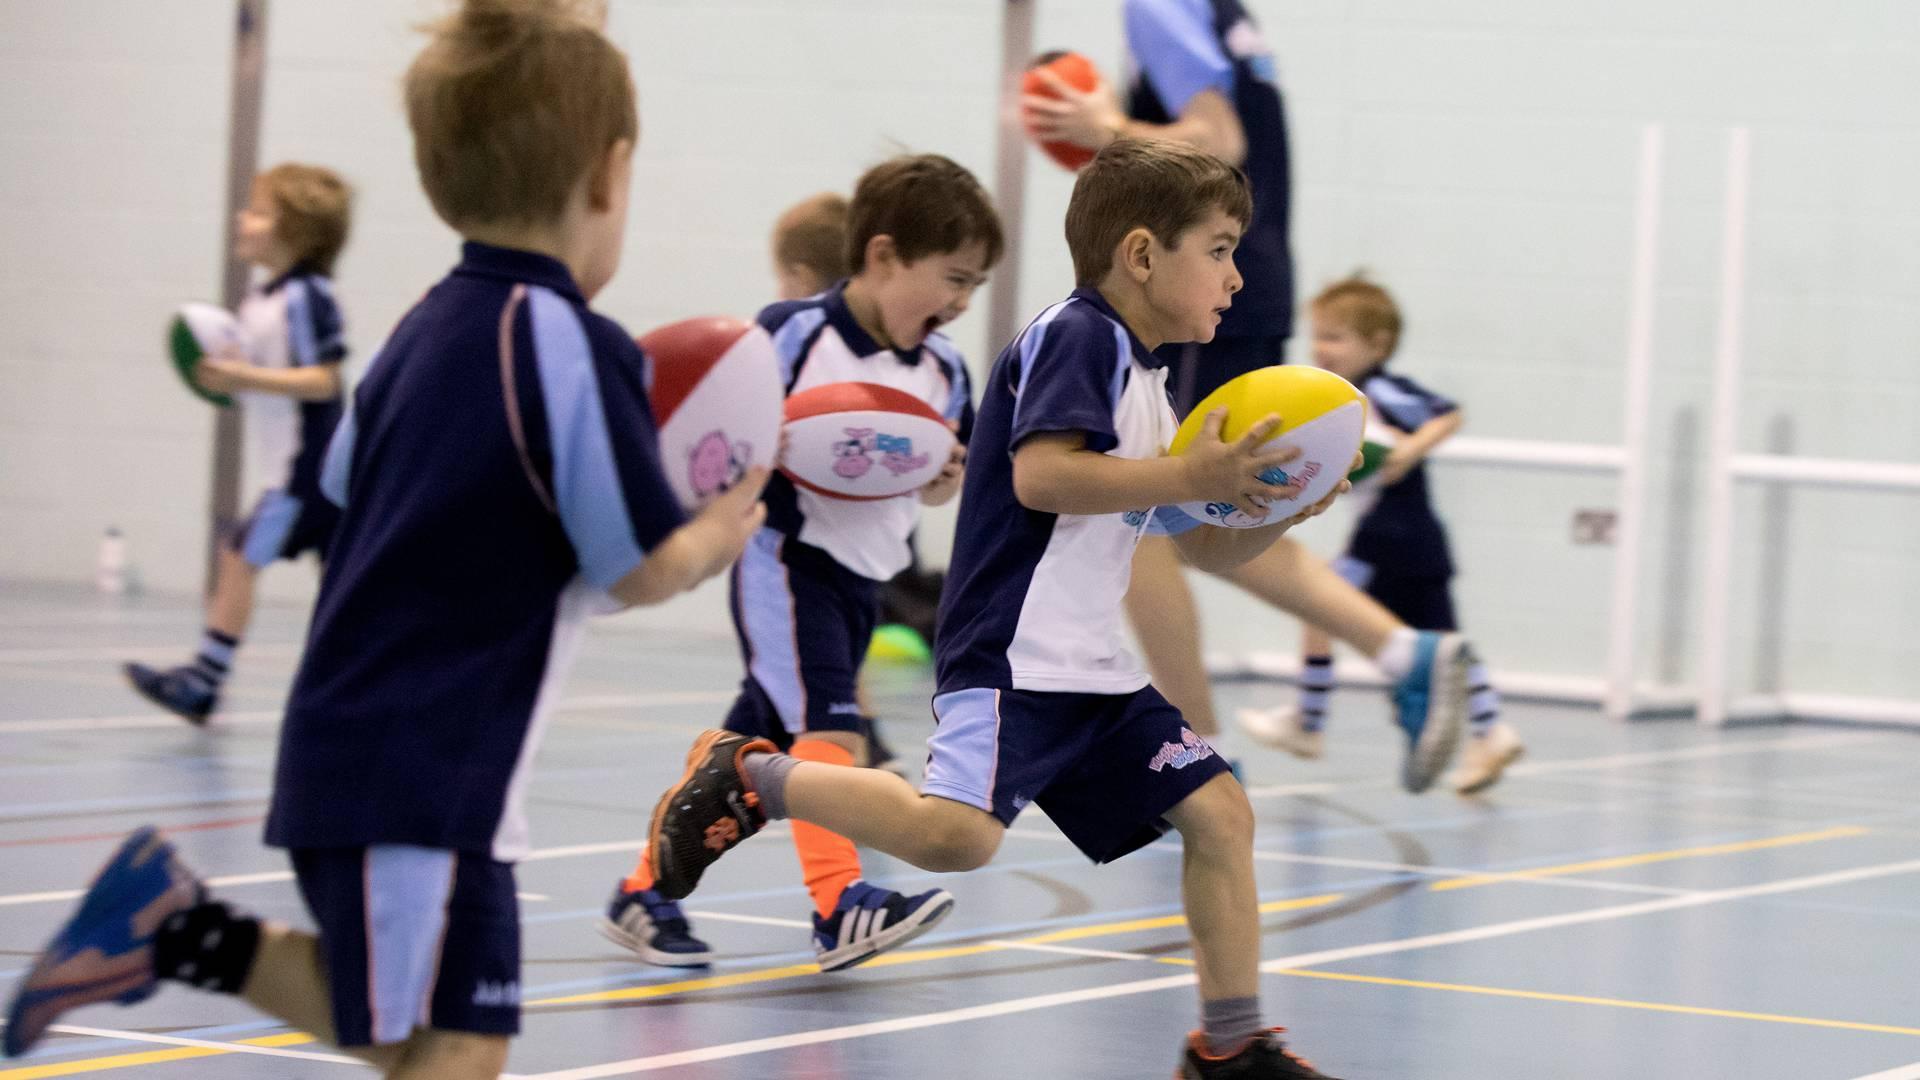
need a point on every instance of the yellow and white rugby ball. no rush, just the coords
(1320, 412)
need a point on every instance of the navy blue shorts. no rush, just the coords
(1105, 767)
(1424, 602)
(285, 526)
(1195, 370)
(414, 937)
(804, 623)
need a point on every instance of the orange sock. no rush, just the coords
(828, 861)
(642, 876)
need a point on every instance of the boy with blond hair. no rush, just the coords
(1038, 699)
(921, 236)
(499, 479)
(286, 380)
(810, 245)
(1398, 551)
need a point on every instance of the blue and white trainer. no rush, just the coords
(654, 929)
(105, 951)
(1431, 704)
(869, 920)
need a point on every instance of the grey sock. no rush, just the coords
(1230, 1023)
(767, 773)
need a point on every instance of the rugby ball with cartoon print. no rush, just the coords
(716, 394)
(859, 440)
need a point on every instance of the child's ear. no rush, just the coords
(611, 173)
(1136, 254)
(881, 251)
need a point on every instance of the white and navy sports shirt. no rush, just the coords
(1400, 535)
(498, 471)
(290, 321)
(1033, 600)
(820, 342)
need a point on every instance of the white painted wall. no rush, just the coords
(1475, 155)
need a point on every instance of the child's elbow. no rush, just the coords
(1033, 489)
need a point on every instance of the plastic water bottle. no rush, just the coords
(110, 574)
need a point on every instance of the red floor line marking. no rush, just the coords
(93, 838)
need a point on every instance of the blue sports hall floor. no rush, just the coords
(1650, 901)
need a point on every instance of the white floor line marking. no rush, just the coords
(1067, 950)
(1409, 868)
(153, 719)
(109, 617)
(1445, 872)
(1780, 793)
(178, 652)
(756, 920)
(855, 1031)
(157, 719)
(265, 877)
(631, 847)
(1605, 914)
(1905, 1072)
(1729, 748)
(205, 1044)
(1047, 1001)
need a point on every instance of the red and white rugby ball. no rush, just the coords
(716, 399)
(857, 440)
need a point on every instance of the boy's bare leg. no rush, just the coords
(1217, 883)
(451, 1055)
(287, 982)
(884, 812)
(230, 608)
(1295, 580)
(1314, 641)
(1165, 619)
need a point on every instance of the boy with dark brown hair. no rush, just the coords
(921, 235)
(1038, 699)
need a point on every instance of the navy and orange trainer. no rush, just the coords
(1265, 1058)
(706, 813)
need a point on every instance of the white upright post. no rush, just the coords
(1717, 557)
(1618, 703)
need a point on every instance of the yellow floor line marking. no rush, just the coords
(910, 956)
(145, 1057)
(1616, 1003)
(685, 986)
(712, 982)
(1617, 862)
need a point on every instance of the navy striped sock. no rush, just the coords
(1483, 701)
(214, 660)
(1316, 684)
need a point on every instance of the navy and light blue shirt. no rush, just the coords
(1400, 535)
(1033, 600)
(289, 321)
(1178, 48)
(819, 342)
(498, 471)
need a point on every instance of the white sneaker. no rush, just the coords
(1283, 728)
(1485, 757)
